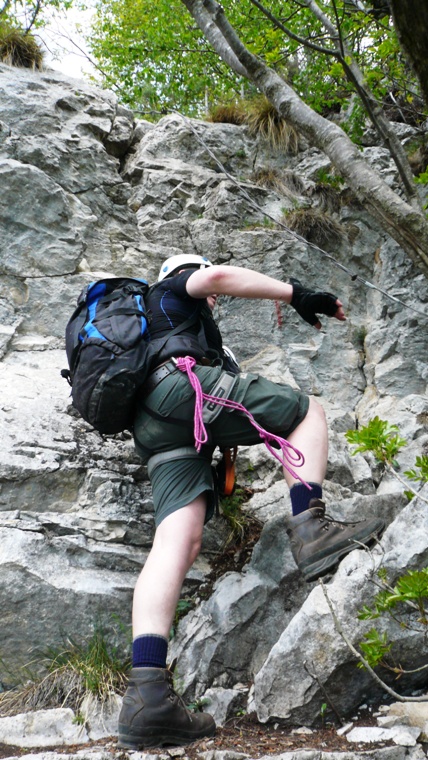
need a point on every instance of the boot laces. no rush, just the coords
(172, 693)
(327, 521)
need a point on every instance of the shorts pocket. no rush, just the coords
(173, 396)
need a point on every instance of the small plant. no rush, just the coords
(406, 605)
(19, 48)
(79, 719)
(422, 179)
(265, 223)
(282, 182)
(184, 606)
(379, 437)
(323, 711)
(198, 704)
(227, 113)
(90, 665)
(231, 508)
(375, 647)
(329, 178)
(421, 464)
(359, 335)
(263, 120)
(315, 226)
(382, 440)
(327, 191)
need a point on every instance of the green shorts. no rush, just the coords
(164, 423)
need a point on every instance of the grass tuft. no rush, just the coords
(315, 226)
(90, 666)
(19, 49)
(231, 509)
(264, 121)
(327, 197)
(285, 183)
(227, 113)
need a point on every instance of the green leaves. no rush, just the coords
(374, 647)
(413, 586)
(421, 465)
(156, 58)
(379, 437)
(26, 14)
(405, 604)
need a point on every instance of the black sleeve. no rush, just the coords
(178, 283)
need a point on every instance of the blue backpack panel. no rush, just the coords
(109, 351)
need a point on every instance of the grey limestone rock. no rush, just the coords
(90, 191)
(43, 728)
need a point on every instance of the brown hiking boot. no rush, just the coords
(153, 715)
(318, 542)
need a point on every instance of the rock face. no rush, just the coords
(86, 189)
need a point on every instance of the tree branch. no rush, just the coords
(360, 657)
(35, 14)
(207, 25)
(381, 124)
(324, 691)
(405, 224)
(301, 40)
(355, 76)
(5, 7)
(406, 485)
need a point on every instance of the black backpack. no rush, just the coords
(109, 351)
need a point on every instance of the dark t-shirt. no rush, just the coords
(169, 305)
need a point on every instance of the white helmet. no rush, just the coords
(182, 261)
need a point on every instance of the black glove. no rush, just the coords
(310, 302)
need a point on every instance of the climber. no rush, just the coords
(165, 430)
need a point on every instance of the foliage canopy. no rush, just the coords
(25, 15)
(158, 59)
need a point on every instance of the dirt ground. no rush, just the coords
(244, 735)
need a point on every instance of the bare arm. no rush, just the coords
(247, 283)
(236, 281)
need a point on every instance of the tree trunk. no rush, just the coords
(406, 225)
(381, 124)
(411, 23)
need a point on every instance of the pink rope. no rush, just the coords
(291, 457)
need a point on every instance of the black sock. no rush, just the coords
(149, 651)
(301, 496)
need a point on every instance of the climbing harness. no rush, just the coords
(291, 457)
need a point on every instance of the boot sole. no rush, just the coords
(159, 737)
(327, 565)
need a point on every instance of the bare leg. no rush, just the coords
(152, 714)
(311, 438)
(176, 545)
